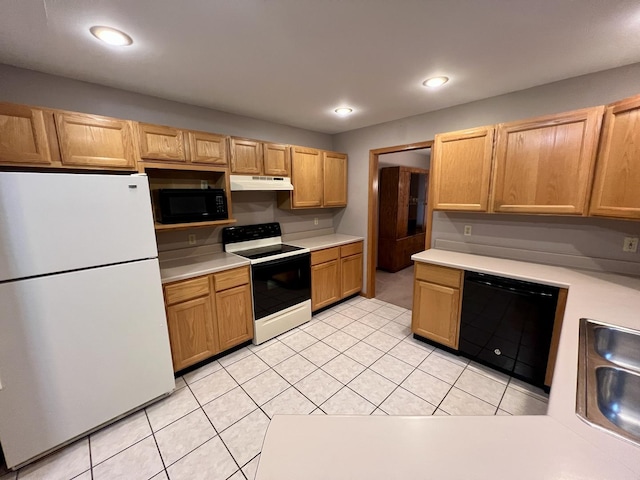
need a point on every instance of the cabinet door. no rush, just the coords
(616, 189)
(161, 143)
(246, 156)
(545, 165)
(461, 169)
(325, 284)
(23, 135)
(306, 176)
(95, 141)
(191, 332)
(436, 313)
(277, 159)
(208, 148)
(335, 179)
(234, 316)
(351, 273)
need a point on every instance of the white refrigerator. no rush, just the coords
(83, 332)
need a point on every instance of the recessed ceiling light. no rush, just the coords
(435, 81)
(344, 111)
(111, 36)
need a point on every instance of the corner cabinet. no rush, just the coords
(461, 170)
(207, 315)
(545, 165)
(319, 180)
(616, 188)
(336, 273)
(437, 297)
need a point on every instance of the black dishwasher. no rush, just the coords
(507, 324)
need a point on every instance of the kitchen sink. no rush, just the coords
(609, 378)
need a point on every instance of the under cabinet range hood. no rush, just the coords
(258, 182)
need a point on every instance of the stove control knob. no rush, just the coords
(497, 351)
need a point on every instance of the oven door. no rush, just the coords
(280, 284)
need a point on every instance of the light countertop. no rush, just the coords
(196, 265)
(558, 445)
(323, 241)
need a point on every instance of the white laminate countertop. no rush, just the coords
(323, 241)
(556, 446)
(196, 265)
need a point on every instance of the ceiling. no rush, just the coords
(294, 61)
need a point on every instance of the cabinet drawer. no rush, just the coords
(351, 249)
(451, 277)
(186, 290)
(326, 255)
(231, 278)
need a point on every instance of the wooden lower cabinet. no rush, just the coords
(207, 315)
(191, 332)
(436, 306)
(234, 316)
(325, 284)
(336, 273)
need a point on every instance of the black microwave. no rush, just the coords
(181, 205)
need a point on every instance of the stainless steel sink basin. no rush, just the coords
(618, 346)
(609, 378)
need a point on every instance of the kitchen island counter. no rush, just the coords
(558, 445)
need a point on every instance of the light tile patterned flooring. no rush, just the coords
(356, 358)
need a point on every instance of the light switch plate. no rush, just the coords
(630, 244)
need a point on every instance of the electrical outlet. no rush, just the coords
(630, 244)
(192, 239)
(204, 184)
(315, 220)
(467, 230)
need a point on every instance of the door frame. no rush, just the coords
(372, 225)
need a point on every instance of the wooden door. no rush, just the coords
(325, 284)
(306, 176)
(95, 141)
(191, 332)
(461, 169)
(161, 143)
(351, 275)
(246, 156)
(277, 159)
(335, 179)
(23, 135)
(545, 165)
(436, 313)
(616, 188)
(234, 316)
(208, 148)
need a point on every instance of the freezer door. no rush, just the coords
(54, 222)
(77, 350)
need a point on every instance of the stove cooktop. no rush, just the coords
(267, 251)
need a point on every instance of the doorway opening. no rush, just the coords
(410, 224)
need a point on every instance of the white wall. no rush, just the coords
(34, 88)
(413, 159)
(588, 90)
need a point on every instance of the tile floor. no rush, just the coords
(356, 358)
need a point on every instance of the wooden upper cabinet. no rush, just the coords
(277, 159)
(208, 148)
(161, 143)
(334, 179)
(246, 156)
(461, 170)
(95, 141)
(306, 176)
(23, 135)
(616, 188)
(545, 165)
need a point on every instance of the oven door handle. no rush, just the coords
(283, 261)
